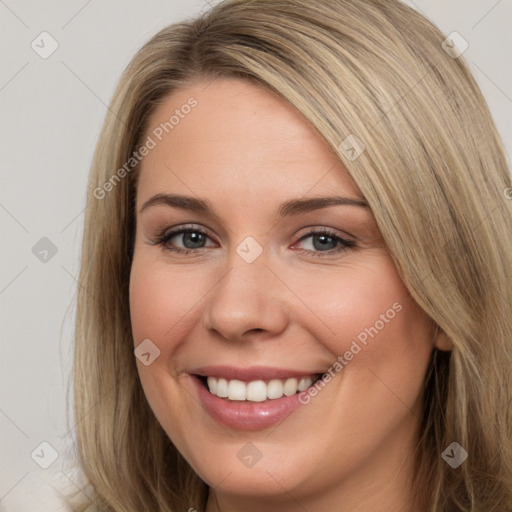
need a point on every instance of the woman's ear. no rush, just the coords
(441, 340)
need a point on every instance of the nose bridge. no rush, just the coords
(247, 297)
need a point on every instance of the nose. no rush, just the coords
(248, 299)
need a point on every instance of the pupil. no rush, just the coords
(324, 238)
(195, 238)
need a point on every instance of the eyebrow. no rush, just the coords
(290, 207)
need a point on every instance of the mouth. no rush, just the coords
(250, 399)
(256, 390)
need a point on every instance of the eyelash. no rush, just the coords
(163, 239)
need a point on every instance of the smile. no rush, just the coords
(258, 390)
(250, 399)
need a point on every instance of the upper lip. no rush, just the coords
(250, 374)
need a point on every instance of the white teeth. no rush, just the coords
(212, 384)
(304, 383)
(236, 390)
(275, 389)
(290, 387)
(257, 390)
(221, 389)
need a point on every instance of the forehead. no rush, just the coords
(235, 141)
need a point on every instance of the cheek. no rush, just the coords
(380, 339)
(162, 310)
(358, 301)
(162, 303)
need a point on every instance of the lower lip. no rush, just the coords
(246, 415)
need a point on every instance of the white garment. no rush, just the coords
(60, 488)
(38, 493)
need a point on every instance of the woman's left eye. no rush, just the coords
(323, 238)
(323, 241)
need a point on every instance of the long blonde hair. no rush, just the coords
(434, 173)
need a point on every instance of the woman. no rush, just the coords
(227, 356)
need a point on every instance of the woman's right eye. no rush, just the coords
(192, 238)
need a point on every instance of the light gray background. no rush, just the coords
(51, 113)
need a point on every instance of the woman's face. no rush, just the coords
(272, 287)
